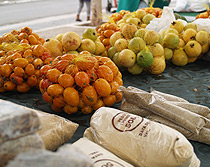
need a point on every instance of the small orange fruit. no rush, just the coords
(71, 96)
(66, 80)
(29, 69)
(59, 102)
(109, 100)
(89, 95)
(102, 87)
(20, 62)
(53, 74)
(98, 104)
(9, 85)
(86, 109)
(105, 72)
(82, 79)
(55, 90)
(70, 109)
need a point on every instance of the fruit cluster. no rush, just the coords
(80, 82)
(203, 15)
(184, 44)
(21, 56)
(141, 18)
(137, 50)
(105, 31)
(71, 42)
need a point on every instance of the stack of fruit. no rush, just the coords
(141, 18)
(71, 42)
(105, 31)
(81, 82)
(184, 44)
(137, 50)
(21, 56)
(78, 78)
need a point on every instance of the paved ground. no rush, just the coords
(42, 16)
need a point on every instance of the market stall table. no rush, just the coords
(189, 82)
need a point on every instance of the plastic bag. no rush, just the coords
(55, 130)
(190, 5)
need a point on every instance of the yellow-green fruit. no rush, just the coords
(140, 13)
(162, 33)
(192, 59)
(121, 44)
(147, 18)
(190, 25)
(178, 25)
(171, 30)
(180, 57)
(87, 45)
(135, 21)
(104, 53)
(59, 36)
(160, 40)
(202, 37)
(181, 43)
(90, 33)
(193, 49)
(111, 52)
(99, 48)
(135, 69)
(151, 37)
(52, 44)
(168, 53)
(158, 65)
(189, 35)
(71, 41)
(115, 59)
(120, 21)
(73, 52)
(127, 15)
(205, 47)
(129, 30)
(171, 40)
(144, 58)
(143, 25)
(140, 33)
(117, 35)
(127, 58)
(157, 50)
(136, 44)
(121, 25)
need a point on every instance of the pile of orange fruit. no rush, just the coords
(80, 83)
(203, 15)
(105, 31)
(157, 12)
(21, 56)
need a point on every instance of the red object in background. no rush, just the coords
(115, 2)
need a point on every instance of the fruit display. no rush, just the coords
(71, 42)
(81, 82)
(22, 54)
(186, 42)
(203, 15)
(137, 50)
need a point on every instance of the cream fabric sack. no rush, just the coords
(100, 156)
(139, 141)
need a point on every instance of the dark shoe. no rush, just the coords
(78, 20)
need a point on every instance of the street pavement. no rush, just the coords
(43, 16)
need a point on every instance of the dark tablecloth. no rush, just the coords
(179, 81)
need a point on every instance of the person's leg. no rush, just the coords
(88, 5)
(81, 4)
